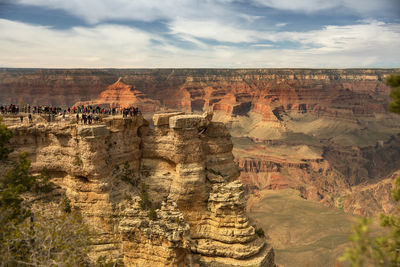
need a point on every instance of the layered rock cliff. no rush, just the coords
(122, 95)
(339, 116)
(235, 91)
(184, 166)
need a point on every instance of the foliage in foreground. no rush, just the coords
(394, 82)
(53, 239)
(383, 250)
(5, 136)
(50, 238)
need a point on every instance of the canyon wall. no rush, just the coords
(163, 196)
(233, 90)
(321, 132)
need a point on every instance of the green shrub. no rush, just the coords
(394, 82)
(104, 261)
(128, 175)
(77, 161)
(5, 136)
(152, 214)
(42, 183)
(66, 205)
(127, 197)
(17, 181)
(144, 202)
(260, 232)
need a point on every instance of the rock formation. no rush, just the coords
(121, 95)
(334, 92)
(340, 117)
(366, 200)
(183, 166)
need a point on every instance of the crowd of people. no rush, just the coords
(11, 109)
(84, 114)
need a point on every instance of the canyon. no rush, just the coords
(321, 132)
(326, 134)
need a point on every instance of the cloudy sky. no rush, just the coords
(199, 33)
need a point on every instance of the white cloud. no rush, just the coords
(363, 7)
(281, 24)
(370, 44)
(262, 45)
(360, 37)
(365, 36)
(26, 45)
(296, 5)
(209, 29)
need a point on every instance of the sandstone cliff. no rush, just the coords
(339, 115)
(184, 164)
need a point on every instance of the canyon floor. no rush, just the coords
(303, 232)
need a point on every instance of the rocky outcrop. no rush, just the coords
(190, 161)
(162, 241)
(196, 210)
(96, 165)
(121, 95)
(314, 178)
(366, 163)
(371, 199)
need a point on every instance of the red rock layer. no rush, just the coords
(267, 91)
(121, 95)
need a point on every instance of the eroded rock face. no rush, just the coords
(234, 91)
(190, 161)
(164, 241)
(341, 114)
(370, 200)
(91, 163)
(123, 95)
(185, 165)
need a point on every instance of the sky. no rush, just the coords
(200, 34)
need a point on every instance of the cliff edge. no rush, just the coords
(162, 196)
